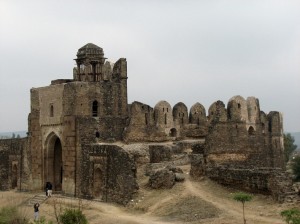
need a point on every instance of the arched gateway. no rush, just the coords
(53, 162)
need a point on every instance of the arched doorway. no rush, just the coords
(173, 132)
(98, 181)
(53, 162)
(14, 176)
(251, 131)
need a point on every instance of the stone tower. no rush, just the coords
(69, 113)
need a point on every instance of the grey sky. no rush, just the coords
(188, 51)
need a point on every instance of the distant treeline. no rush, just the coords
(17, 134)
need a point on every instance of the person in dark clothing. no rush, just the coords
(48, 189)
(36, 211)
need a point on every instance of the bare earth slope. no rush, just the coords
(187, 202)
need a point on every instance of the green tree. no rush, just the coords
(242, 197)
(289, 146)
(296, 167)
(13, 135)
(291, 216)
(73, 216)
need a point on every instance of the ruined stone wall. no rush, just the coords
(35, 141)
(51, 104)
(198, 125)
(276, 138)
(164, 123)
(243, 147)
(120, 92)
(107, 173)
(14, 169)
(180, 119)
(104, 100)
(238, 136)
(141, 125)
(271, 181)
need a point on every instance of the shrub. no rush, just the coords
(291, 216)
(11, 215)
(73, 216)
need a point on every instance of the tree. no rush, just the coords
(296, 167)
(242, 197)
(291, 216)
(289, 146)
(13, 135)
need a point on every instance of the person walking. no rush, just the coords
(36, 211)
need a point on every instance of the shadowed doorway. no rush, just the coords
(14, 178)
(54, 163)
(98, 181)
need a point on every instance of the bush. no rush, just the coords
(11, 215)
(73, 216)
(291, 216)
(42, 220)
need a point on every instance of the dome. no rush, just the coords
(90, 51)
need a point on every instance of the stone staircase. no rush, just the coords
(39, 198)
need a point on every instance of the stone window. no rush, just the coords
(165, 118)
(51, 110)
(146, 119)
(97, 134)
(239, 106)
(263, 128)
(95, 109)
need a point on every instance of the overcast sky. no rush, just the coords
(178, 51)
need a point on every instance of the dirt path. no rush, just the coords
(232, 210)
(170, 206)
(258, 211)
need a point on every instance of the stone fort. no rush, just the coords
(85, 138)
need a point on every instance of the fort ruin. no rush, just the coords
(82, 131)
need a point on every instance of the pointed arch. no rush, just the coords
(53, 161)
(251, 131)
